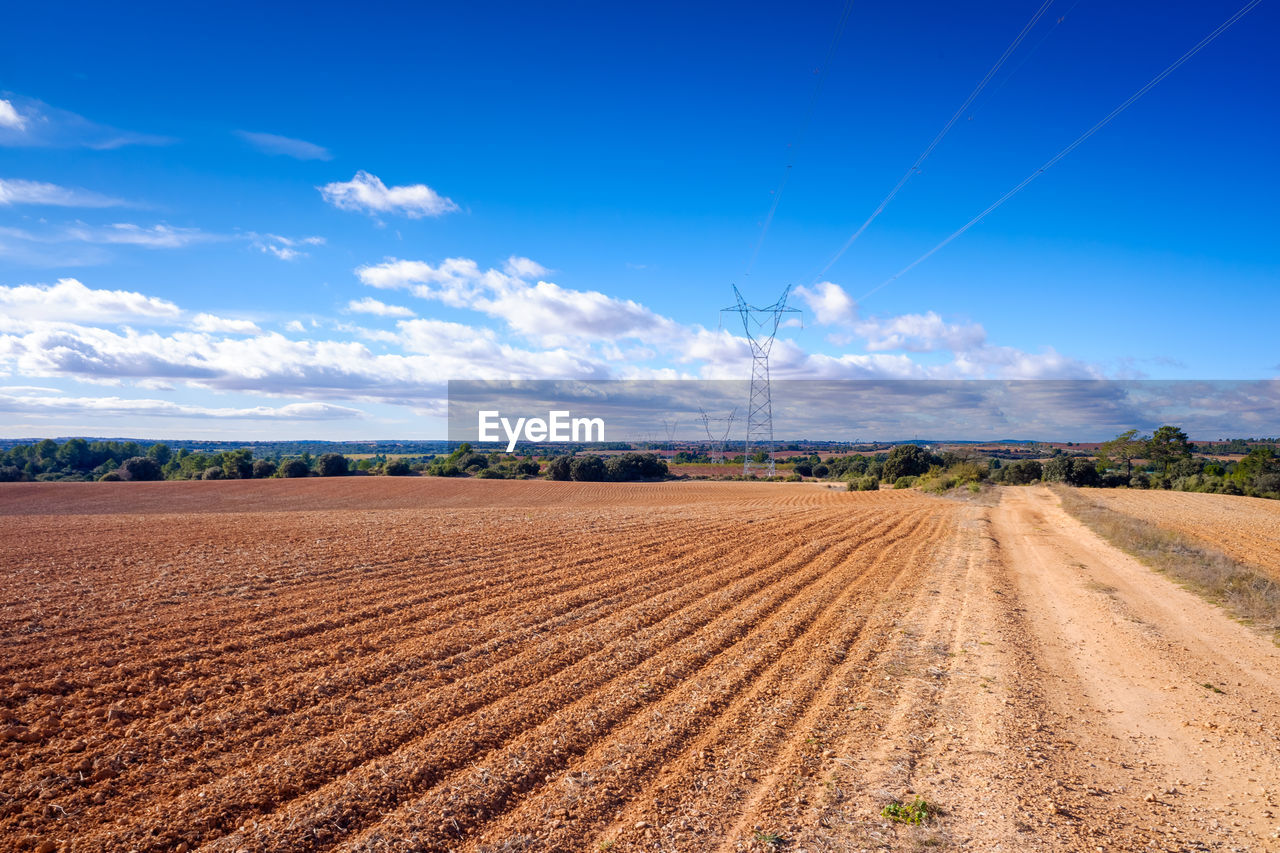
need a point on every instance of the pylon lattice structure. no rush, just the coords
(761, 327)
(717, 438)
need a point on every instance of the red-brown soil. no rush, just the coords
(422, 664)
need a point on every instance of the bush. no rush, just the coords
(588, 469)
(1139, 481)
(1021, 473)
(331, 465)
(560, 468)
(904, 482)
(263, 468)
(110, 477)
(821, 471)
(213, 474)
(906, 460)
(635, 466)
(141, 468)
(397, 468)
(804, 469)
(864, 484)
(10, 474)
(527, 468)
(293, 468)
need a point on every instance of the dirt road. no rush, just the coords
(1171, 706)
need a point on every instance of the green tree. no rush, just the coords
(294, 468)
(160, 452)
(331, 465)
(1167, 445)
(590, 469)
(1124, 448)
(140, 468)
(906, 460)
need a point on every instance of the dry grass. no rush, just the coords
(1249, 593)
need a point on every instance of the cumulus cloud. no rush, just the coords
(367, 193)
(373, 306)
(18, 191)
(543, 310)
(829, 303)
(30, 122)
(214, 323)
(298, 149)
(921, 333)
(518, 267)
(70, 300)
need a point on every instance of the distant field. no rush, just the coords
(1247, 529)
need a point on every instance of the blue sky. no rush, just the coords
(200, 206)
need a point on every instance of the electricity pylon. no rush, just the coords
(717, 439)
(760, 326)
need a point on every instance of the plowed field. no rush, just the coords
(421, 664)
(1245, 528)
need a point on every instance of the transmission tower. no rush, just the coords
(670, 425)
(717, 438)
(760, 326)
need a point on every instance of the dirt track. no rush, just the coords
(537, 666)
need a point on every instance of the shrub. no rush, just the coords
(140, 468)
(821, 471)
(560, 468)
(905, 460)
(213, 474)
(804, 469)
(293, 468)
(904, 482)
(110, 477)
(10, 474)
(1140, 481)
(588, 469)
(263, 468)
(865, 484)
(331, 465)
(528, 468)
(396, 468)
(635, 466)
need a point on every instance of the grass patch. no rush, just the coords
(771, 839)
(915, 812)
(1248, 593)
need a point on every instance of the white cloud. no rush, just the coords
(284, 248)
(71, 301)
(30, 122)
(127, 407)
(9, 116)
(298, 149)
(524, 268)
(926, 332)
(214, 323)
(367, 193)
(294, 326)
(830, 304)
(546, 311)
(18, 191)
(155, 237)
(370, 305)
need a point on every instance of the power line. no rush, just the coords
(915, 167)
(1073, 146)
(804, 128)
